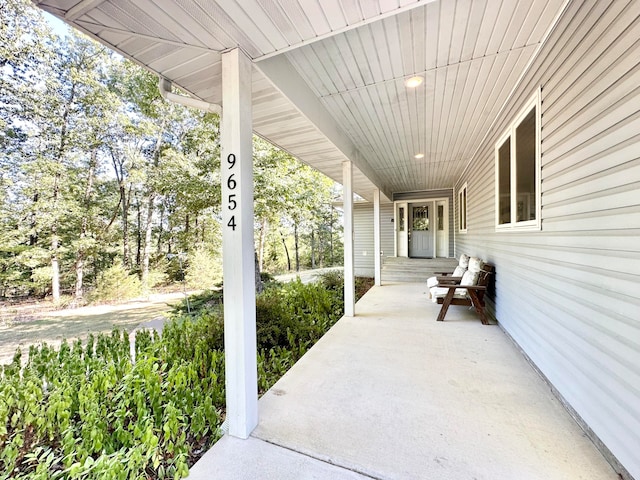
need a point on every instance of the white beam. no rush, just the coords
(285, 78)
(376, 237)
(349, 274)
(238, 246)
(81, 8)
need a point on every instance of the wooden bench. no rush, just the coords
(452, 293)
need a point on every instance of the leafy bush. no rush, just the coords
(92, 412)
(204, 269)
(115, 284)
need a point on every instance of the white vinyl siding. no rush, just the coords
(569, 294)
(363, 236)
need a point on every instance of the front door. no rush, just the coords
(421, 237)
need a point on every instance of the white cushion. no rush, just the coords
(475, 264)
(464, 261)
(432, 282)
(469, 278)
(440, 292)
(459, 271)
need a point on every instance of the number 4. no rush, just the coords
(232, 223)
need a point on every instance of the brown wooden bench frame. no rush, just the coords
(475, 293)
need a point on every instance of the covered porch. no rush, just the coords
(393, 394)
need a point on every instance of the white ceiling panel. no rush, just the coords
(341, 95)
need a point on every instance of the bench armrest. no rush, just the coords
(468, 287)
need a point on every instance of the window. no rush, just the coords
(462, 209)
(518, 171)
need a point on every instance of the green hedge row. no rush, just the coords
(92, 412)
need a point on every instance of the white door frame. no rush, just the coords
(444, 248)
(401, 238)
(403, 250)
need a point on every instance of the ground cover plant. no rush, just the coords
(100, 411)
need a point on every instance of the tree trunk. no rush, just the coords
(331, 238)
(80, 256)
(139, 234)
(55, 266)
(259, 284)
(286, 250)
(261, 241)
(150, 210)
(55, 243)
(313, 251)
(148, 229)
(320, 248)
(33, 234)
(160, 231)
(126, 204)
(295, 238)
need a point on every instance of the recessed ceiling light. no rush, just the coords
(413, 82)
(419, 155)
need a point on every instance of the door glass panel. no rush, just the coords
(401, 219)
(420, 218)
(440, 217)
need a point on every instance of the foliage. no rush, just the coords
(96, 168)
(116, 284)
(92, 412)
(204, 269)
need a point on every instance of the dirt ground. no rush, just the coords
(32, 325)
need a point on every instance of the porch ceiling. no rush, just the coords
(328, 80)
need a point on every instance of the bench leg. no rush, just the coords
(475, 301)
(445, 304)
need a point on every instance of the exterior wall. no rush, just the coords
(363, 236)
(569, 294)
(424, 195)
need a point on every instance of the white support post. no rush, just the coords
(376, 237)
(238, 245)
(349, 277)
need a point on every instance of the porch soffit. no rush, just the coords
(329, 75)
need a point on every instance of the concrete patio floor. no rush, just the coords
(393, 394)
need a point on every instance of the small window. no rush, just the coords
(518, 171)
(440, 218)
(462, 209)
(401, 219)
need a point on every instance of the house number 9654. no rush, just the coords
(231, 185)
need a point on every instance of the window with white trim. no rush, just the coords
(462, 209)
(517, 157)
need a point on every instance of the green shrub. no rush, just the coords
(91, 412)
(116, 284)
(204, 269)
